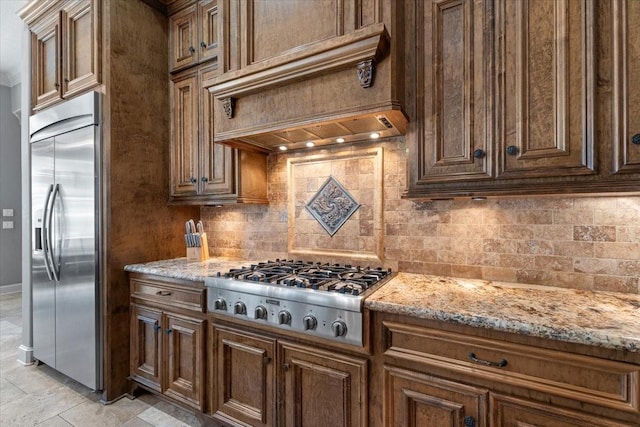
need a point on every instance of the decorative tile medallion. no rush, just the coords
(332, 205)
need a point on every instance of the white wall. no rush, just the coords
(10, 192)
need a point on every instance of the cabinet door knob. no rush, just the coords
(285, 366)
(192, 49)
(204, 179)
(512, 150)
(66, 80)
(469, 421)
(203, 45)
(156, 327)
(266, 360)
(478, 154)
(168, 331)
(57, 85)
(636, 139)
(193, 180)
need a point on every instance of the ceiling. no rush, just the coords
(10, 41)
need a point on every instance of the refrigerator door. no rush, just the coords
(74, 255)
(42, 179)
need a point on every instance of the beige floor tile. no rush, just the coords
(37, 407)
(156, 417)
(112, 415)
(9, 392)
(54, 422)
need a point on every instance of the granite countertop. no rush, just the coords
(180, 268)
(604, 319)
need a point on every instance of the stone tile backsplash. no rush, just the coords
(584, 243)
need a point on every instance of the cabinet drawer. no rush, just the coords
(587, 379)
(173, 295)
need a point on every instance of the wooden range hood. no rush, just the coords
(340, 87)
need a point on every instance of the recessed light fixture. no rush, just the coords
(282, 148)
(340, 140)
(478, 198)
(375, 135)
(310, 144)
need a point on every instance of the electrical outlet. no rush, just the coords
(7, 225)
(7, 212)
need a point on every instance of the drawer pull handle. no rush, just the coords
(501, 364)
(163, 293)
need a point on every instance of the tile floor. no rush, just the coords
(40, 396)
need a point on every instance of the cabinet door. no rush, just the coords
(454, 135)
(244, 387)
(415, 399)
(45, 51)
(81, 46)
(511, 412)
(146, 344)
(185, 359)
(545, 88)
(184, 134)
(322, 388)
(216, 160)
(626, 86)
(208, 29)
(183, 39)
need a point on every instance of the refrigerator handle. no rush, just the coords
(43, 236)
(55, 270)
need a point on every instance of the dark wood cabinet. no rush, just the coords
(168, 336)
(203, 171)
(66, 55)
(626, 87)
(434, 373)
(514, 98)
(193, 35)
(243, 384)
(321, 388)
(417, 399)
(262, 380)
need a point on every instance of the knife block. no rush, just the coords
(199, 253)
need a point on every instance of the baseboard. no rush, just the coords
(9, 289)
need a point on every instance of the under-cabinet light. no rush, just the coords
(340, 140)
(282, 148)
(375, 135)
(310, 144)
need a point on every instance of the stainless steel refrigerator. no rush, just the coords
(65, 203)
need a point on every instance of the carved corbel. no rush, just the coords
(365, 72)
(228, 104)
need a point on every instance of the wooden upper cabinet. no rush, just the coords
(45, 57)
(184, 134)
(454, 141)
(545, 88)
(193, 35)
(81, 62)
(65, 49)
(626, 86)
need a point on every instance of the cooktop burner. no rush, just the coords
(344, 279)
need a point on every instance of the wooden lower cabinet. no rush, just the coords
(429, 373)
(167, 354)
(243, 384)
(168, 338)
(259, 380)
(321, 388)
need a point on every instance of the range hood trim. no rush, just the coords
(368, 43)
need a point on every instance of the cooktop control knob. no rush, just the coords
(339, 328)
(284, 317)
(220, 304)
(261, 312)
(310, 322)
(239, 308)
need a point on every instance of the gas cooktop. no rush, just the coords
(318, 299)
(344, 279)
